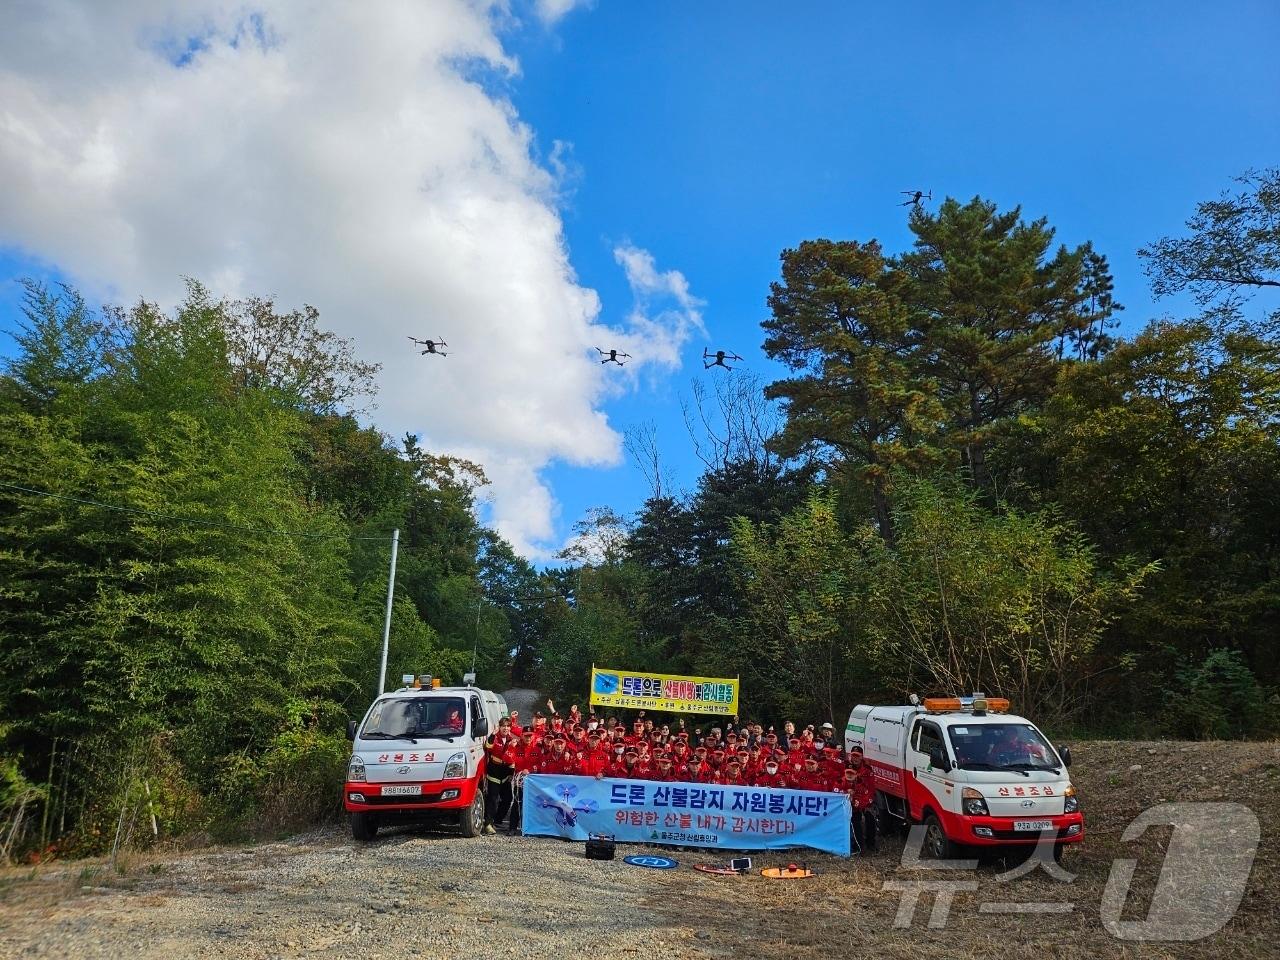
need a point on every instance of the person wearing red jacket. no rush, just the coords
(793, 773)
(500, 768)
(528, 752)
(680, 750)
(595, 760)
(696, 771)
(528, 755)
(812, 778)
(665, 771)
(770, 775)
(732, 775)
(625, 769)
(832, 765)
(559, 760)
(796, 752)
(636, 735)
(857, 785)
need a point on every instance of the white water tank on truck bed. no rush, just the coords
(879, 731)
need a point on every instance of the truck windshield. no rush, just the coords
(1001, 746)
(411, 718)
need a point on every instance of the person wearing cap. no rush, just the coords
(696, 771)
(732, 774)
(680, 751)
(558, 760)
(616, 749)
(665, 771)
(528, 755)
(810, 777)
(770, 775)
(859, 788)
(806, 740)
(594, 760)
(795, 752)
(634, 735)
(715, 760)
(832, 763)
(626, 768)
(500, 767)
(529, 751)
(699, 754)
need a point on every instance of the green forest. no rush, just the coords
(967, 480)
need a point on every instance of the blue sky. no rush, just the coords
(721, 134)
(713, 135)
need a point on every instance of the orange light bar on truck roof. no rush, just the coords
(956, 705)
(943, 704)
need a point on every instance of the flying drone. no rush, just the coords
(717, 359)
(611, 356)
(431, 345)
(915, 197)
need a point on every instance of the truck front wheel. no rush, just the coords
(936, 842)
(364, 826)
(472, 818)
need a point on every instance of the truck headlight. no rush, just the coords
(1071, 803)
(355, 769)
(973, 803)
(456, 766)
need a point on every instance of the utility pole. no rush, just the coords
(386, 625)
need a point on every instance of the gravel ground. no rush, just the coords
(423, 893)
(414, 894)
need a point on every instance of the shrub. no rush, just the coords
(295, 782)
(1218, 698)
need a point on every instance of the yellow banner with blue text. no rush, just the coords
(631, 690)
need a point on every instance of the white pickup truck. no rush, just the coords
(419, 755)
(973, 774)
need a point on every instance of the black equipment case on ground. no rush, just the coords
(600, 846)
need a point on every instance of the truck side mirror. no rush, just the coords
(351, 730)
(480, 727)
(1065, 754)
(938, 758)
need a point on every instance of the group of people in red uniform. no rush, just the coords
(748, 756)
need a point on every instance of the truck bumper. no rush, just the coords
(436, 795)
(999, 831)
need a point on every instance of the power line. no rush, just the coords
(138, 511)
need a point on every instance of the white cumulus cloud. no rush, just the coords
(549, 11)
(352, 156)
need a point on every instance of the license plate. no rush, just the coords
(1033, 825)
(407, 790)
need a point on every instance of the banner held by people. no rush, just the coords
(631, 690)
(686, 814)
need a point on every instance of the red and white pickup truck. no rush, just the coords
(419, 755)
(973, 774)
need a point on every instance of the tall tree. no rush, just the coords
(989, 304)
(1233, 248)
(841, 323)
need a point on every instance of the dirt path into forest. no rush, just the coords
(420, 893)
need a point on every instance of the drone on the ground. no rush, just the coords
(611, 356)
(431, 345)
(915, 197)
(717, 359)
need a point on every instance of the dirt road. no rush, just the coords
(419, 893)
